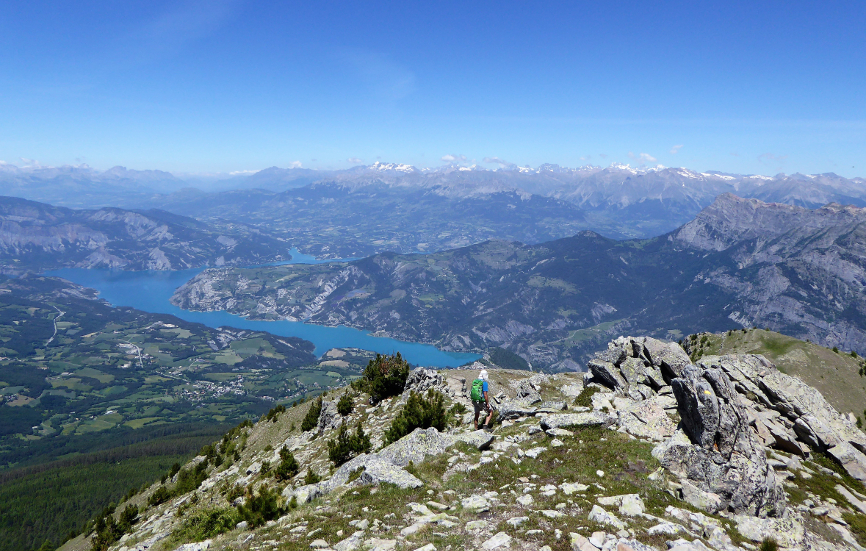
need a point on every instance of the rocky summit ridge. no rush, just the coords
(646, 450)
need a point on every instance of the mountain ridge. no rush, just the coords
(553, 301)
(36, 237)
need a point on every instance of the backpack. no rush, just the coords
(477, 392)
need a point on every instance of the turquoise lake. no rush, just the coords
(150, 291)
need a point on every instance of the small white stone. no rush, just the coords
(600, 474)
(517, 521)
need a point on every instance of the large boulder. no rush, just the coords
(722, 460)
(638, 366)
(585, 419)
(421, 380)
(512, 409)
(803, 413)
(416, 446)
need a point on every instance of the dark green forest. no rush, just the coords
(54, 500)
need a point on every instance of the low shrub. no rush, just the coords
(419, 412)
(311, 477)
(160, 495)
(274, 413)
(190, 479)
(347, 445)
(259, 509)
(458, 409)
(584, 399)
(384, 376)
(768, 544)
(355, 475)
(857, 525)
(311, 419)
(106, 530)
(288, 466)
(207, 524)
(346, 404)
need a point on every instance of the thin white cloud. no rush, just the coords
(454, 158)
(497, 161)
(643, 157)
(676, 149)
(355, 161)
(242, 172)
(31, 163)
(295, 164)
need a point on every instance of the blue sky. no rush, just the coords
(750, 87)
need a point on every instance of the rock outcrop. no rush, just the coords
(723, 457)
(639, 367)
(731, 408)
(795, 414)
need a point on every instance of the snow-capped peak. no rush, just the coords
(393, 166)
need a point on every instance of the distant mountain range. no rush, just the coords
(36, 237)
(400, 208)
(739, 263)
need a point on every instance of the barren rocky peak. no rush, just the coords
(646, 450)
(730, 220)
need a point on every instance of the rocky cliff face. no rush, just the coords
(35, 236)
(646, 451)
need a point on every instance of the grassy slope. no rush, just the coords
(836, 375)
(626, 463)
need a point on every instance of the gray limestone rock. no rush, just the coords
(723, 456)
(499, 541)
(378, 472)
(599, 515)
(513, 409)
(421, 380)
(669, 357)
(812, 420)
(586, 419)
(788, 532)
(475, 504)
(416, 446)
(527, 392)
(480, 439)
(646, 419)
(607, 374)
(638, 366)
(329, 418)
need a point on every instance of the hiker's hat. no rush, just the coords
(483, 375)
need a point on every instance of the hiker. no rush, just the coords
(480, 399)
